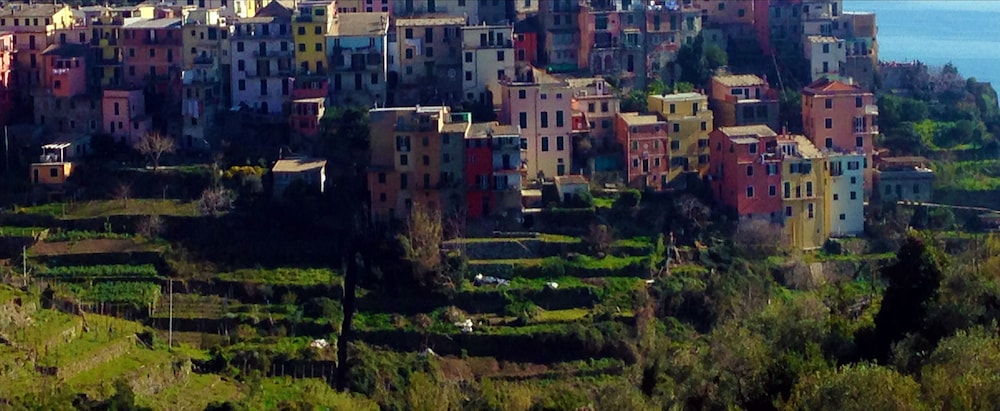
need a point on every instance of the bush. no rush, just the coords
(628, 198)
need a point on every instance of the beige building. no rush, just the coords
(541, 105)
(689, 121)
(430, 59)
(358, 44)
(487, 58)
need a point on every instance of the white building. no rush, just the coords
(465, 8)
(826, 56)
(846, 211)
(358, 45)
(487, 58)
(262, 59)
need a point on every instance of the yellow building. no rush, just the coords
(311, 25)
(804, 192)
(34, 27)
(688, 123)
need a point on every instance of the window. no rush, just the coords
(843, 217)
(829, 123)
(560, 144)
(241, 65)
(523, 119)
(604, 107)
(302, 47)
(635, 163)
(544, 119)
(788, 211)
(54, 172)
(704, 126)
(749, 171)
(468, 57)
(409, 33)
(677, 127)
(836, 197)
(521, 94)
(853, 165)
(788, 189)
(772, 190)
(241, 85)
(753, 148)
(404, 181)
(468, 76)
(500, 55)
(828, 103)
(429, 52)
(811, 209)
(772, 169)
(409, 53)
(675, 144)
(545, 144)
(673, 108)
(302, 31)
(559, 119)
(859, 142)
(854, 195)
(854, 180)
(404, 159)
(858, 102)
(319, 46)
(829, 142)
(381, 178)
(749, 191)
(427, 160)
(318, 30)
(809, 188)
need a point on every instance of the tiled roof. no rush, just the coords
(738, 80)
(822, 39)
(30, 10)
(67, 50)
(153, 23)
(573, 179)
(757, 130)
(826, 85)
(636, 119)
(804, 147)
(454, 127)
(274, 9)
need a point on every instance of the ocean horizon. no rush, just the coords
(937, 32)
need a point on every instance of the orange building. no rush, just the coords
(66, 69)
(153, 54)
(841, 116)
(647, 150)
(746, 171)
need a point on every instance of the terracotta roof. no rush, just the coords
(360, 24)
(153, 24)
(737, 80)
(67, 50)
(31, 10)
(822, 39)
(804, 147)
(573, 179)
(298, 165)
(274, 9)
(454, 127)
(758, 130)
(826, 85)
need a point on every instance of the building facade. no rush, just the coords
(743, 100)
(689, 123)
(746, 171)
(487, 58)
(262, 60)
(358, 44)
(541, 105)
(841, 116)
(647, 155)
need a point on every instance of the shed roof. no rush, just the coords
(297, 165)
(738, 80)
(360, 24)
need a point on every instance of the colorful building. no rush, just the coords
(262, 57)
(599, 22)
(66, 69)
(746, 171)
(365, 6)
(205, 42)
(560, 33)
(804, 185)
(416, 155)
(430, 59)
(493, 169)
(541, 105)
(34, 27)
(689, 123)
(311, 172)
(841, 116)
(154, 57)
(358, 44)
(312, 23)
(125, 116)
(743, 100)
(647, 155)
(525, 44)
(593, 97)
(826, 56)
(845, 194)
(488, 58)
(904, 179)
(430, 8)
(6, 75)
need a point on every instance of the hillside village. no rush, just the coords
(484, 204)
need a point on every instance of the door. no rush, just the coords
(645, 165)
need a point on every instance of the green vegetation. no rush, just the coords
(80, 235)
(103, 208)
(284, 276)
(137, 294)
(101, 271)
(21, 231)
(981, 175)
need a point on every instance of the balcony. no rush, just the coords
(491, 44)
(273, 54)
(203, 61)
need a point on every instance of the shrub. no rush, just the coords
(628, 198)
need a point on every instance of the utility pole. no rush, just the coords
(170, 332)
(6, 150)
(24, 264)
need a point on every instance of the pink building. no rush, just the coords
(647, 149)
(66, 69)
(599, 22)
(153, 54)
(743, 100)
(746, 171)
(843, 117)
(6, 75)
(125, 116)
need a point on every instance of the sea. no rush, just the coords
(935, 32)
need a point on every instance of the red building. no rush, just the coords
(308, 105)
(478, 172)
(647, 149)
(153, 55)
(6, 74)
(525, 45)
(746, 171)
(66, 69)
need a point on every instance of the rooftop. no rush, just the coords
(360, 24)
(443, 20)
(153, 23)
(822, 39)
(454, 127)
(679, 96)
(573, 179)
(636, 119)
(482, 130)
(739, 80)
(826, 85)
(298, 165)
(275, 9)
(67, 50)
(310, 100)
(31, 10)
(757, 130)
(803, 147)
